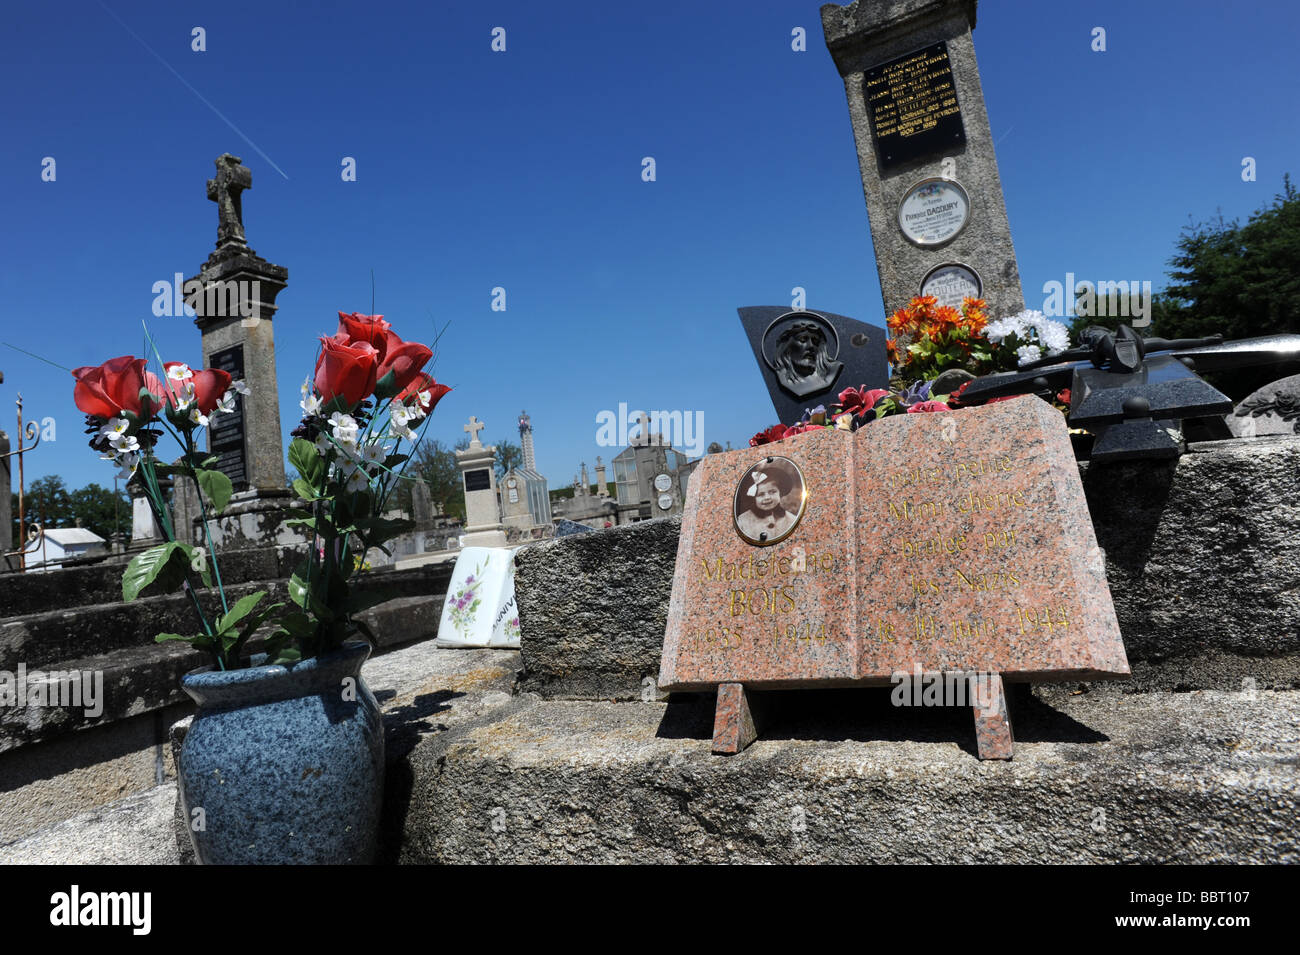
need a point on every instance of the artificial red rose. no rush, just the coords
(1063, 396)
(423, 382)
(399, 363)
(114, 387)
(363, 328)
(955, 398)
(346, 371)
(858, 400)
(803, 429)
(774, 433)
(922, 406)
(209, 386)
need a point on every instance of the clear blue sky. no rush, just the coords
(522, 170)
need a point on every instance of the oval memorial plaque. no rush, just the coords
(769, 501)
(951, 282)
(933, 212)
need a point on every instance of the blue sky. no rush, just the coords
(522, 170)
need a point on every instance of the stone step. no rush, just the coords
(33, 593)
(146, 677)
(424, 691)
(840, 777)
(43, 639)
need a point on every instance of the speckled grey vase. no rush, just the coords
(287, 763)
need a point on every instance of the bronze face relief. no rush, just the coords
(802, 348)
(769, 501)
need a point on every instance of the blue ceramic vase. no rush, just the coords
(285, 762)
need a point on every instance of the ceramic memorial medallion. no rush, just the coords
(933, 211)
(480, 608)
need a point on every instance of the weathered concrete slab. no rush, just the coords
(131, 831)
(1097, 777)
(592, 610)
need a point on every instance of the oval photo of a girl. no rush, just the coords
(769, 501)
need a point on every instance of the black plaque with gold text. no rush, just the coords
(913, 106)
(226, 433)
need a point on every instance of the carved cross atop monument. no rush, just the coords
(224, 190)
(472, 429)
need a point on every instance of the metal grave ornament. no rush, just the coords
(1139, 397)
(808, 357)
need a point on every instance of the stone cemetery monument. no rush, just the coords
(480, 607)
(950, 549)
(807, 358)
(929, 173)
(234, 296)
(483, 527)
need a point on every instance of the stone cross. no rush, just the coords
(224, 190)
(472, 429)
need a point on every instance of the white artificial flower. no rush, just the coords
(128, 463)
(198, 417)
(323, 444)
(311, 403)
(374, 453)
(402, 431)
(227, 403)
(347, 467)
(344, 427)
(114, 427)
(239, 386)
(349, 449)
(179, 372)
(123, 443)
(359, 481)
(1053, 336)
(1028, 353)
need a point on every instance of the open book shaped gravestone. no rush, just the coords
(945, 546)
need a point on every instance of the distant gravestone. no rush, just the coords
(808, 357)
(1273, 409)
(483, 527)
(421, 504)
(950, 546)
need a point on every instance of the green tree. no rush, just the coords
(101, 510)
(435, 464)
(509, 455)
(45, 502)
(1241, 280)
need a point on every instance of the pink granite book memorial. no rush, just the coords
(945, 552)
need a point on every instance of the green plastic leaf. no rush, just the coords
(242, 608)
(376, 530)
(217, 487)
(307, 461)
(148, 566)
(304, 490)
(164, 637)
